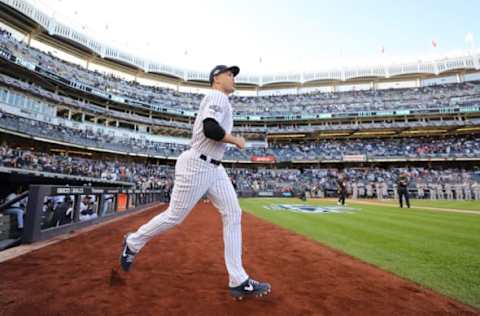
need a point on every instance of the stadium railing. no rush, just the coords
(53, 210)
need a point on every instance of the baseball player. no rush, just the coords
(395, 191)
(385, 189)
(440, 194)
(420, 191)
(378, 190)
(369, 190)
(354, 190)
(198, 171)
(476, 190)
(448, 191)
(402, 187)
(433, 191)
(341, 189)
(361, 189)
(458, 191)
(467, 190)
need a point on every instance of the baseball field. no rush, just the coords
(320, 259)
(434, 243)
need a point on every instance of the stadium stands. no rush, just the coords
(406, 147)
(464, 94)
(143, 176)
(249, 181)
(36, 115)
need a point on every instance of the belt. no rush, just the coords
(212, 161)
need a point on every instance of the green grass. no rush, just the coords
(461, 205)
(440, 250)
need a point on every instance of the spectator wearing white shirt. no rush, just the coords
(16, 208)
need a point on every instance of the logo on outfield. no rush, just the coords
(301, 208)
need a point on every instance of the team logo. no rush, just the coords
(215, 108)
(301, 208)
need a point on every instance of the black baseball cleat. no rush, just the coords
(250, 288)
(127, 257)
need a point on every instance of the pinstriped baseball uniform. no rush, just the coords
(215, 105)
(193, 178)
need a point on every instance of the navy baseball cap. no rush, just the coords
(221, 69)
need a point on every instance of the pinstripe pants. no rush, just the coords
(193, 178)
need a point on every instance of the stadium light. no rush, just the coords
(468, 129)
(425, 131)
(374, 133)
(333, 134)
(286, 136)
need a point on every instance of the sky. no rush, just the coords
(276, 36)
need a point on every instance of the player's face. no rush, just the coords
(226, 81)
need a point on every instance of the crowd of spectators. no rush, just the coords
(247, 180)
(38, 94)
(408, 147)
(30, 97)
(90, 137)
(143, 176)
(444, 95)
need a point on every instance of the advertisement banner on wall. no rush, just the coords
(263, 159)
(354, 158)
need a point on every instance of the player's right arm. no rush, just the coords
(213, 130)
(235, 140)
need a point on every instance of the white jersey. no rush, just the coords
(10, 197)
(217, 106)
